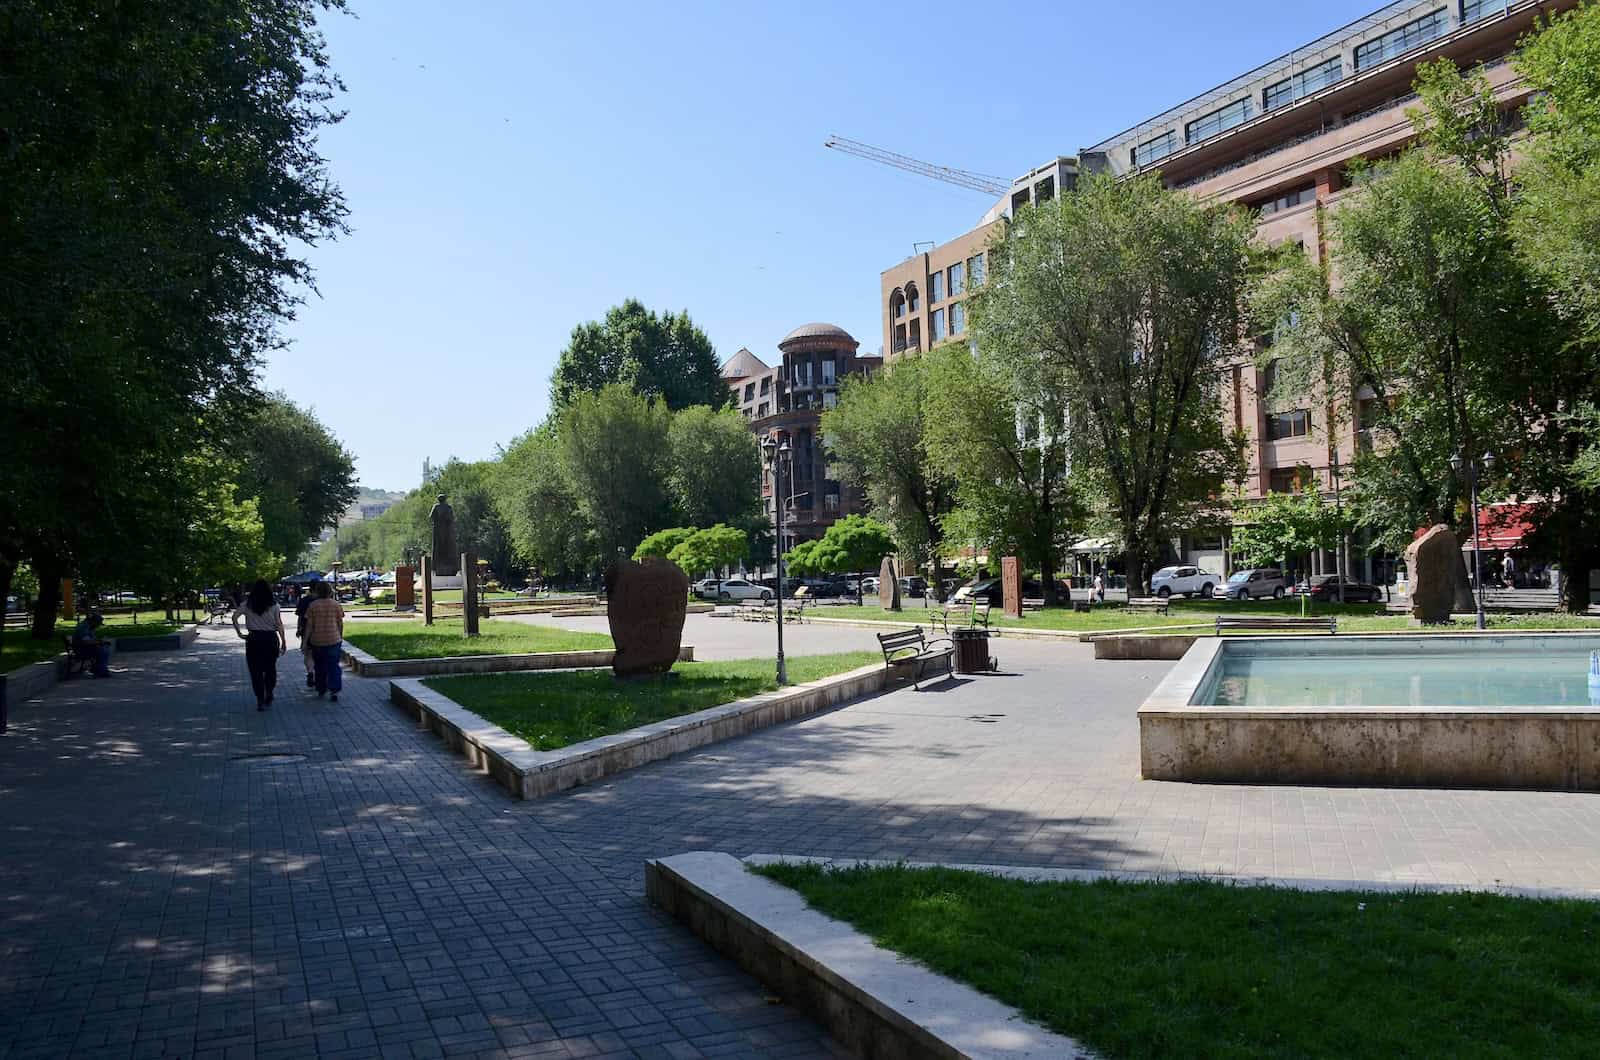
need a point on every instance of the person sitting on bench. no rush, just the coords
(87, 644)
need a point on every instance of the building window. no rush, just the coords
(1221, 120)
(749, 391)
(830, 399)
(975, 270)
(897, 303)
(1399, 41)
(1295, 424)
(912, 302)
(1283, 479)
(761, 410)
(1473, 10)
(802, 373)
(936, 330)
(1269, 379)
(914, 339)
(1303, 84)
(958, 279)
(958, 318)
(936, 290)
(830, 502)
(1160, 147)
(766, 384)
(899, 338)
(1288, 199)
(827, 371)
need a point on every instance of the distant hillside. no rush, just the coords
(368, 493)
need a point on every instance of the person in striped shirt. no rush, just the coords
(324, 631)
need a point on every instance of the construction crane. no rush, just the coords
(983, 182)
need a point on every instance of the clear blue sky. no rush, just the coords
(513, 169)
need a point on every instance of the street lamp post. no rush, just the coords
(776, 455)
(1483, 463)
(1338, 516)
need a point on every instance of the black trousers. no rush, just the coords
(261, 657)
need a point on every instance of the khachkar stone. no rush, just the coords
(1011, 586)
(646, 604)
(888, 585)
(1434, 560)
(405, 590)
(442, 518)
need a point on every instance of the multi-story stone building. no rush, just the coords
(1279, 140)
(788, 399)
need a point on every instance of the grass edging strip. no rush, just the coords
(870, 999)
(530, 774)
(364, 664)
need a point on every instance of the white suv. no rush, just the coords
(1187, 581)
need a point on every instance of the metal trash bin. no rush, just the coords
(972, 650)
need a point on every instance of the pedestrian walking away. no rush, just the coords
(1099, 592)
(264, 640)
(305, 600)
(324, 631)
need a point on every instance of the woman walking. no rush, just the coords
(264, 640)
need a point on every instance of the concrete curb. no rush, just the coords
(364, 664)
(34, 679)
(1291, 883)
(530, 774)
(1144, 646)
(872, 1000)
(1011, 632)
(163, 642)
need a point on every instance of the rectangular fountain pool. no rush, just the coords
(1450, 710)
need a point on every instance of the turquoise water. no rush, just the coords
(1550, 676)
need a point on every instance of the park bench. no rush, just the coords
(1271, 624)
(1084, 606)
(969, 615)
(1151, 605)
(756, 610)
(910, 649)
(76, 664)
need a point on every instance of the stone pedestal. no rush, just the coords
(888, 585)
(405, 591)
(645, 605)
(469, 593)
(1011, 585)
(427, 590)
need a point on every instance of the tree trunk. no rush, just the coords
(1047, 574)
(44, 608)
(1576, 556)
(1465, 600)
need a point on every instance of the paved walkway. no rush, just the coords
(160, 894)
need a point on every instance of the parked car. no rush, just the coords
(1184, 581)
(869, 586)
(1256, 583)
(706, 588)
(1325, 587)
(913, 586)
(742, 589)
(991, 591)
(821, 588)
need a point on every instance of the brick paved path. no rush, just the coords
(158, 895)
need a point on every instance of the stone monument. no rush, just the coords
(405, 589)
(1011, 586)
(1434, 560)
(442, 518)
(645, 605)
(888, 585)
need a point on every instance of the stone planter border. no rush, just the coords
(29, 681)
(872, 1000)
(530, 774)
(364, 664)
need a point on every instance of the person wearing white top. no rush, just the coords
(264, 640)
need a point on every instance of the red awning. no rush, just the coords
(1502, 526)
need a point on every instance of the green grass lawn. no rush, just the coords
(409, 639)
(1206, 969)
(1353, 618)
(17, 648)
(552, 710)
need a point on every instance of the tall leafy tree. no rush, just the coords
(712, 549)
(161, 177)
(878, 435)
(614, 444)
(663, 542)
(302, 478)
(1282, 525)
(538, 502)
(661, 356)
(714, 467)
(996, 426)
(1125, 298)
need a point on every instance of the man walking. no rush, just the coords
(324, 631)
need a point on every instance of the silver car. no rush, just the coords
(1256, 583)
